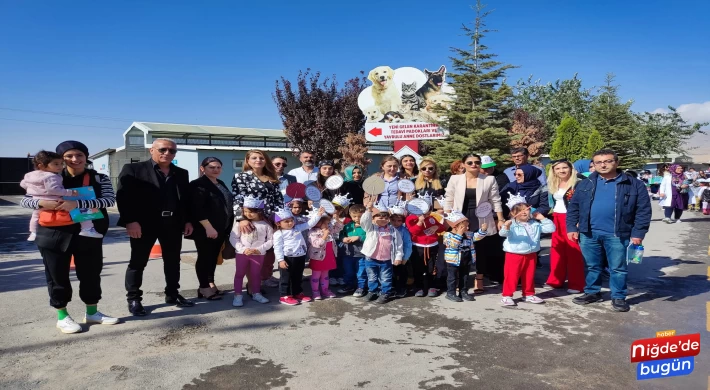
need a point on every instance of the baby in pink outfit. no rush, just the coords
(45, 183)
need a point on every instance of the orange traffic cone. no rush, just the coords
(156, 252)
(71, 265)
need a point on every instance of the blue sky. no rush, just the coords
(215, 63)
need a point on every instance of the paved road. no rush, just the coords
(347, 343)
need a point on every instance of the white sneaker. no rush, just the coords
(237, 301)
(573, 291)
(32, 237)
(90, 233)
(507, 301)
(100, 318)
(534, 299)
(260, 298)
(678, 221)
(67, 325)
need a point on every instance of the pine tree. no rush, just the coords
(480, 117)
(570, 140)
(594, 143)
(615, 122)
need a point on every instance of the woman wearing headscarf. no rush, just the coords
(527, 185)
(583, 167)
(59, 244)
(674, 194)
(353, 176)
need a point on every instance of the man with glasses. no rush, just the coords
(520, 157)
(280, 164)
(307, 171)
(153, 203)
(609, 210)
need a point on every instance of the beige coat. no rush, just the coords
(486, 191)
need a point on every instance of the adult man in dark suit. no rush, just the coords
(153, 202)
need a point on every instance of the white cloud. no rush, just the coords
(691, 112)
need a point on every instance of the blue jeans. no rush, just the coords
(379, 274)
(350, 271)
(361, 273)
(594, 246)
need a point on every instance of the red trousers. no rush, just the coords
(566, 261)
(519, 267)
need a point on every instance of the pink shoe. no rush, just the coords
(302, 298)
(288, 301)
(329, 294)
(316, 296)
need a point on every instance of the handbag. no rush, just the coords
(52, 218)
(228, 251)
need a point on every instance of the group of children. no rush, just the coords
(374, 243)
(700, 197)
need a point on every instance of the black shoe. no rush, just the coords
(619, 305)
(383, 298)
(466, 297)
(401, 293)
(453, 298)
(179, 301)
(588, 298)
(136, 308)
(371, 296)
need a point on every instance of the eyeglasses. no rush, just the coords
(167, 150)
(428, 169)
(605, 162)
(470, 162)
(281, 164)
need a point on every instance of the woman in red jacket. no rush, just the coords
(425, 240)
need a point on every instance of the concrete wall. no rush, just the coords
(102, 165)
(189, 159)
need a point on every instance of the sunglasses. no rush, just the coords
(428, 169)
(167, 150)
(281, 164)
(473, 162)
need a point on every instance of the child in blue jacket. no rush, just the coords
(521, 246)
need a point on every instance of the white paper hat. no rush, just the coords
(426, 197)
(515, 199)
(380, 207)
(252, 202)
(398, 208)
(341, 200)
(454, 218)
(281, 214)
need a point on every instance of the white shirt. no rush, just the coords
(291, 242)
(302, 176)
(559, 197)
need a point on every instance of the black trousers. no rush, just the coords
(88, 261)
(291, 278)
(457, 277)
(490, 258)
(208, 250)
(424, 277)
(170, 238)
(399, 277)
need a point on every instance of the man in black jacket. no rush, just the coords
(153, 202)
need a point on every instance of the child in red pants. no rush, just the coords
(521, 244)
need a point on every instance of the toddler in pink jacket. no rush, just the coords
(45, 183)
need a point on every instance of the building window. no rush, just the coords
(136, 140)
(237, 165)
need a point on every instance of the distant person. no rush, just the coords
(58, 244)
(520, 157)
(608, 211)
(307, 171)
(674, 193)
(154, 204)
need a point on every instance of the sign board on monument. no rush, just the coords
(405, 104)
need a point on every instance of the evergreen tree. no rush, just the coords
(594, 143)
(662, 133)
(480, 117)
(615, 122)
(570, 140)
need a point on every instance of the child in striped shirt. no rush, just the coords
(460, 255)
